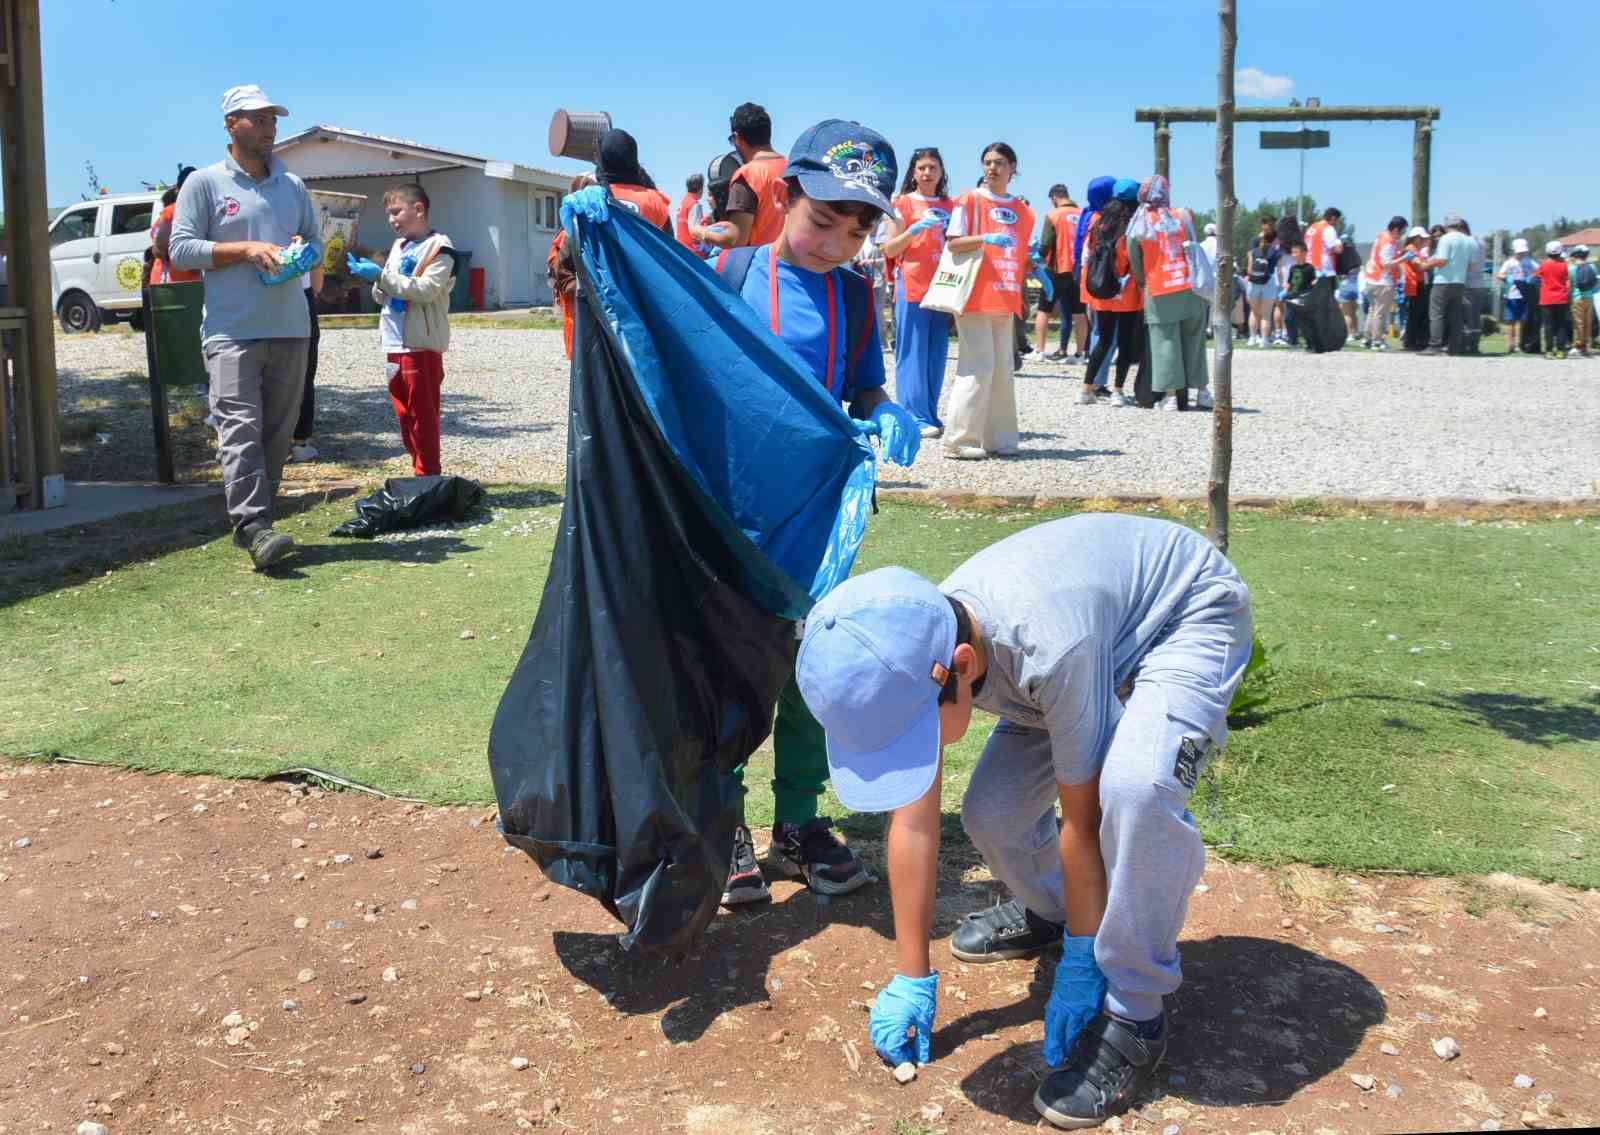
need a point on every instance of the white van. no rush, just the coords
(97, 259)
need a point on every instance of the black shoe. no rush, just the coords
(745, 881)
(1109, 1066)
(1102, 392)
(1006, 930)
(1430, 351)
(813, 853)
(265, 546)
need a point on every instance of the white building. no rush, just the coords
(501, 212)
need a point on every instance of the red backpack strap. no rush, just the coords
(859, 318)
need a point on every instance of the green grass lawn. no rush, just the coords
(1436, 706)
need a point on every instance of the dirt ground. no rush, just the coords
(203, 955)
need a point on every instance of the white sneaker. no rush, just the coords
(1202, 399)
(1006, 451)
(1572, 352)
(966, 453)
(1085, 398)
(1035, 357)
(1168, 403)
(932, 431)
(303, 451)
(1118, 398)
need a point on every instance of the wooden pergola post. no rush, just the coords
(1222, 309)
(28, 248)
(1163, 147)
(1421, 170)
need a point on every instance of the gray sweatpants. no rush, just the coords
(1171, 725)
(256, 386)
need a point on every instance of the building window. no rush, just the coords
(552, 210)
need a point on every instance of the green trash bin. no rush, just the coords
(461, 286)
(174, 330)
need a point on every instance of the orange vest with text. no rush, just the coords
(1002, 271)
(1377, 273)
(764, 176)
(1065, 222)
(651, 204)
(1166, 267)
(680, 222)
(921, 256)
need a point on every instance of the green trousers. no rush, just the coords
(1178, 352)
(801, 765)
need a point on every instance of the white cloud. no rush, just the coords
(1253, 83)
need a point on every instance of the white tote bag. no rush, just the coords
(952, 281)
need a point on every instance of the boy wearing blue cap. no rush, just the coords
(1109, 647)
(839, 181)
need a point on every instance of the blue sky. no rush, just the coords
(134, 87)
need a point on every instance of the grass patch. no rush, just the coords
(1435, 706)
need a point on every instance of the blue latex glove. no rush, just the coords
(590, 203)
(297, 260)
(1045, 284)
(905, 1003)
(898, 432)
(1000, 240)
(362, 267)
(932, 219)
(1075, 998)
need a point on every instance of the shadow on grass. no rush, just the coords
(1254, 1022)
(1532, 720)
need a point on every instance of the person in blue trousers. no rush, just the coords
(922, 338)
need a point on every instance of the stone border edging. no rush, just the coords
(1587, 506)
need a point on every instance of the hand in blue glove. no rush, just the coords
(932, 219)
(1000, 240)
(362, 267)
(898, 432)
(1075, 998)
(905, 1003)
(590, 203)
(1045, 283)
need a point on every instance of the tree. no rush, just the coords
(1222, 310)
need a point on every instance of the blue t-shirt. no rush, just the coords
(1455, 249)
(803, 323)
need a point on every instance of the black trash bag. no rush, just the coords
(667, 628)
(1318, 318)
(411, 502)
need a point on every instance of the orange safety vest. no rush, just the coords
(680, 226)
(651, 204)
(1065, 222)
(764, 176)
(1316, 235)
(1166, 267)
(921, 256)
(1376, 272)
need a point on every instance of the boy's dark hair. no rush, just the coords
(696, 183)
(752, 123)
(1331, 214)
(1003, 149)
(908, 184)
(411, 193)
(1397, 222)
(1297, 243)
(170, 196)
(1059, 190)
(866, 214)
(952, 685)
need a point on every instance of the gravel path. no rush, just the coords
(1350, 424)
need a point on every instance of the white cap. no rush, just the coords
(1519, 245)
(1583, 248)
(1417, 230)
(1552, 248)
(1211, 230)
(237, 100)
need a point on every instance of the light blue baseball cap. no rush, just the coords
(875, 653)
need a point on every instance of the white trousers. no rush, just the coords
(983, 401)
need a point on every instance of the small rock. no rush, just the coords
(776, 1036)
(21, 843)
(932, 1112)
(342, 857)
(1392, 1091)
(356, 999)
(1201, 888)
(1424, 1016)
(467, 634)
(1363, 1081)
(237, 1036)
(289, 1006)
(1171, 1129)
(306, 976)
(334, 924)
(473, 995)
(551, 1106)
(1286, 923)
(418, 1068)
(297, 842)
(298, 877)
(1489, 1125)
(1522, 1080)
(519, 1063)
(90, 1127)
(905, 1072)
(1388, 1049)
(1382, 928)
(233, 1020)
(302, 922)
(1446, 1048)
(1540, 1013)
(118, 679)
(409, 904)
(199, 808)
(374, 853)
(391, 975)
(115, 1049)
(1531, 1119)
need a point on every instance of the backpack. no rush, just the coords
(1347, 259)
(1585, 277)
(1102, 281)
(1260, 265)
(734, 265)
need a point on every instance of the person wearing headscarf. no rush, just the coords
(1119, 319)
(1159, 237)
(1096, 196)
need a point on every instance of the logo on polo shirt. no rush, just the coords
(1000, 215)
(230, 207)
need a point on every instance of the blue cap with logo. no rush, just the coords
(875, 654)
(844, 161)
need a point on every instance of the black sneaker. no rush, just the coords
(1102, 392)
(265, 546)
(745, 881)
(1109, 1066)
(1006, 930)
(813, 853)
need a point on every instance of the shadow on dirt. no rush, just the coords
(1255, 1021)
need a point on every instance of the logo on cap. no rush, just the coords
(857, 163)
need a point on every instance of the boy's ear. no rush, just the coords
(965, 661)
